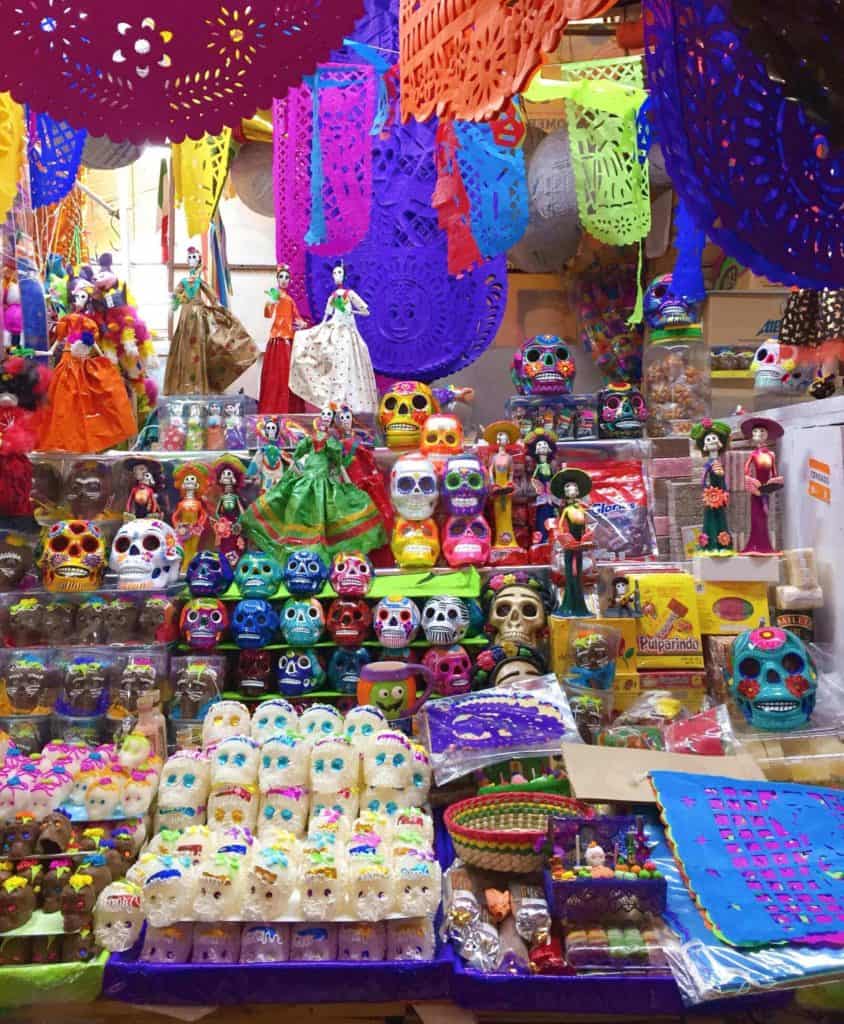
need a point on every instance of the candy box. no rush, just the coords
(669, 634)
(688, 687)
(731, 608)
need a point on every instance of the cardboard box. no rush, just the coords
(559, 643)
(688, 687)
(727, 609)
(669, 634)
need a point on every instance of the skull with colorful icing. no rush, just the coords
(344, 668)
(167, 896)
(417, 795)
(232, 805)
(235, 760)
(321, 721)
(382, 800)
(389, 761)
(305, 572)
(203, 622)
(270, 880)
(285, 761)
(415, 544)
(254, 623)
(322, 885)
(170, 945)
(664, 308)
(411, 939)
(183, 789)
(146, 555)
(445, 620)
(351, 574)
(344, 801)
(414, 488)
(403, 411)
(362, 941)
(265, 943)
(299, 672)
(258, 575)
(396, 621)
(335, 765)
(272, 718)
(464, 485)
(418, 885)
(284, 807)
(543, 365)
(362, 725)
(215, 943)
(74, 556)
(219, 888)
(451, 668)
(225, 718)
(102, 798)
(621, 411)
(302, 621)
(371, 887)
(349, 621)
(774, 682)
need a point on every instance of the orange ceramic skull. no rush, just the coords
(442, 437)
(403, 411)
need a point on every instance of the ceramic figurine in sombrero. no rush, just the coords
(571, 486)
(760, 480)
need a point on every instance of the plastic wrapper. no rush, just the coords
(708, 733)
(530, 911)
(627, 948)
(192, 423)
(25, 984)
(642, 725)
(197, 681)
(513, 956)
(548, 957)
(676, 386)
(265, 943)
(310, 941)
(480, 946)
(591, 656)
(461, 907)
(76, 487)
(17, 559)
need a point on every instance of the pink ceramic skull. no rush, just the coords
(351, 574)
(467, 541)
(451, 667)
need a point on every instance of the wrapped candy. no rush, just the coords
(310, 942)
(513, 956)
(530, 911)
(265, 943)
(411, 939)
(118, 917)
(461, 906)
(215, 943)
(169, 945)
(547, 957)
(365, 941)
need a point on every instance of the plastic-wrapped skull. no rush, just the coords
(467, 541)
(344, 668)
(305, 572)
(320, 721)
(452, 669)
(273, 717)
(170, 945)
(442, 436)
(415, 544)
(74, 556)
(299, 672)
(203, 622)
(349, 620)
(411, 939)
(265, 943)
(464, 485)
(215, 942)
(196, 689)
(402, 412)
(389, 761)
(254, 623)
(363, 723)
(258, 575)
(413, 486)
(517, 615)
(335, 765)
(146, 554)
(621, 411)
(396, 621)
(302, 622)
(225, 718)
(774, 681)
(445, 620)
(208, 575)
(351, 574)
(663, 308)
(543, 365)
(235, 760)
(285, 761)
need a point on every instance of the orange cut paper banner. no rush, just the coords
(465, 58)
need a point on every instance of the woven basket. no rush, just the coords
(501, 831)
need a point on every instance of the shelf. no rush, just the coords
(228, 645)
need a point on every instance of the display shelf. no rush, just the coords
(28, 984)
(229, 645)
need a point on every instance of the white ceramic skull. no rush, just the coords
(233, 806)
(320, 721)
(322, 886)
(168, 896)
(118, 917)
(371, 888)
(517, 616)
(235, 760)
(146, 555)
(285, 761)
(284, 807)
(335, 765)
(445, 620)
(272, 718)
(418, 885)
(219, 889)
(411, 939)
(413, 486)
(363, 723)
(389, 762)
(223, 719)
(270, 880)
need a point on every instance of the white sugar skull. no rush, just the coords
(327, 827)
(418, 884)
(168, 896)
(219, 889)
(335, 765)
(445, 620)
(416, 820)
(363, 723)
(321, 886)
(389, 762)
(238, 840)
(313, 943)
(194, 844)
(344, 801)
(223, 719)
(118, 917)
(270, 880)
(362, 941)
(138, 793)
(396, 621)
(265, 943)
(413, 487)
(233, 806)
(411, 939)
(285, 761)
(215, 943)
(517, 615)
(284, 807)
(235, 760)
(170, 945)
(102, 798)
(383, 800)
(320, 721)
(185, 780)
(417, 795)
(146, 555)
(273, 717)
(371, 887)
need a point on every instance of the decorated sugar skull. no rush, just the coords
(203, 622)
(774, 681)
(467, 540)
(145, 554)
(383, 800)
(351, 574)
(371, 887)
(445, 620)
(102, 798)
(344, 668)
(284, 761)
(118, 917)
(254, 623)
(170, 945)
(442, 437)
(451, 668)
(389, 762)
(185, 779)
(225, 718)
(233, 806)
(543, 365)
(411, 939)
(302, 621)
(396, 621)
(270, 880)
(775, 369)
(418, 882)
(663, 308)
(363, 723)
(284, 807)
(403, 411)
(272, 718)
(414, 488)
(258, 575)
(219, 888)
(335, 765)
(74, 556)
(299, 672)
(322, 885)
(208, 575)
(464, 485)
(215, 942)
(167, 896)
(415, 544)
(349, 621)
(138, 793)
(305, 572)
(362, 941)
(320, 721)
(344, 801)
(235, 760)
(621, 411)
(422, 775)
(517, 615)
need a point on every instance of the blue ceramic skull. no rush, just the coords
(663, 308)
(305, 572)
(344, 668)
(302, 622)
(209, 574)
(258, 575)
(774, 681)
(254, 623)
(299, 673)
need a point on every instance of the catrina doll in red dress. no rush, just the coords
(23, 387)
(276, 395)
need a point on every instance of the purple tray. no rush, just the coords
(583, 900)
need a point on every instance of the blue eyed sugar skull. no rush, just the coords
(396, 621)
(272, 718)
(254, 623)
(543, 366)
(209, 575)
(299, 673)
(305, 572)
(774, 681)
(464, 486)
(351, 574)
(302, 622)
(258, 575)
(621, 411)
(445, 620)
(663, 308)
(335, 765)
(344, 668)
(203, 622)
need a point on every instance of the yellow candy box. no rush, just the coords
(669, 634)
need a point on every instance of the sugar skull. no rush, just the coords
(422, 776)
(413, 486)
(351, 574)
(170, 945)
(415, 545)
(302, 621)
(663, 308)
(371, 887)
(442, 436)
(167, 896)
(203, 622)
(284, 807)
(335, 765)
(146, 554)
(272, 718)
(184, 783)
(209, 574)
(418, 884)
(235, 760)
(445, 620)
(285, 761)
(74, 556)
(255, 673)
(464, 485)
(233, 806)
(225, 718)
(411, 939)
(254, 623)
(322, 885)
(451, 668)
(299, 672)
(138, 793)
(774, 682)
(362, 941)
(396, 621)
(270, 880)
(215, 942)
(349, 621)
(219, 888)
(543, 366)
(389, 761)
(265, 943)
(467, 540)
(517, 615)
(344, 668)
(344, 801)
(363, 723)
(102, 798)
(320, 721)
(258, 575)
(305, 572)
(403, 411)
(621, 411)
(383, 800)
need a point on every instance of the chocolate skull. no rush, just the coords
(89, 489)
(396, 621)
(55, 834)
(774, 681)
(517, 615)
(84, 691)
(621, 411)
(543, 366)
(451, 668)
(17, 902)
(351, 574)
(74, 556)
(254, 673)
(16, 558)
(415, 545)
(445, 620)
(402, 412)
(349, 621)
(302, 622)
(305, 572)
(344, 668)
(413, 486)
(467, 541)
(26, 684)
(203, 622)
(118, 620)
(258, 575)
(663, 308)
(19, 838)
(464, 485)
(146, 554)
(254, 623)
(197, 687)
(299, 673)
(209, 574)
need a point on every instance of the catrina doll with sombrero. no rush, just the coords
(761, 479)
(573, 532)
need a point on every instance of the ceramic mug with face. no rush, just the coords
(392, 687)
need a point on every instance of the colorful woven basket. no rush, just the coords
(502, 831)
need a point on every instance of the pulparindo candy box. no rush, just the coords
(669, 634)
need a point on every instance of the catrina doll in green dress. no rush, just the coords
(230, 475)
(712, 438)
(314, 504)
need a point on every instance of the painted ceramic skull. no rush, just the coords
(351, 574)
(445, 620)
(442, 436)
(418, 884)
(451, 668)
(255, 672)
(302, 621)
(543, 365)
(167, 897)
(517, 616)
(403, 411)
(305, 572)
(171, 945)
(118, 917)
(775, 368)
(396, 621)
(270, 879)
(363, 723)
(464, 485)
(415, 545)
(663, 308)
(203, 622)
(299, 672)
(349, 621)
(272, 718)
(233, 806)
(335, 765)
(413, 486)
(235, 760)
(344, 668)
(74, 556)
(145, 554)
(225, 718)
(320, 721)
(258, 575)
(284, 807)
(774, 681)
(467, 540)
(389, 762)
(208, 575)
(621, 411)
(215, 943)
(285, 761)
(254, 623)
(371, 887)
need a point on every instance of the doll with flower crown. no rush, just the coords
(190, 517)
(276, 395)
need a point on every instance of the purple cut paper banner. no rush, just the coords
(291, 179)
